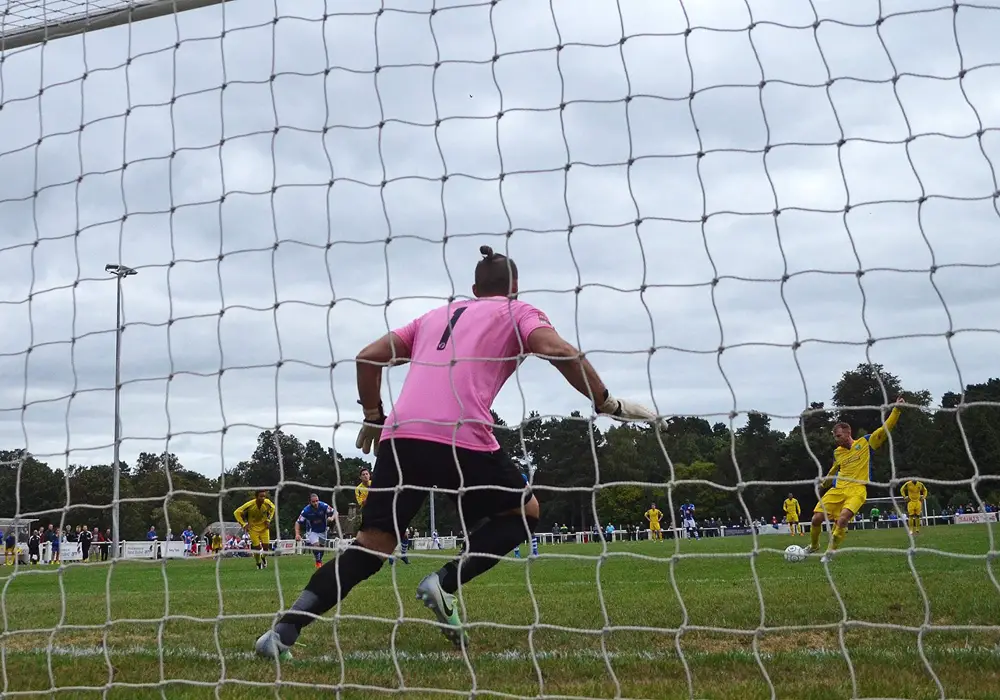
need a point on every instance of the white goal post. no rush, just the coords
(27, 22)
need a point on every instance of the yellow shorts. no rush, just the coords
(259, 538)
(654, 525)
(839, 498)
(914, 507)
(791, 519)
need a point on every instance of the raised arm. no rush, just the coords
(545, 342)
(880, 436)
(561, 354)
(387, 351)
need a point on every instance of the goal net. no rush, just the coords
(761, 218)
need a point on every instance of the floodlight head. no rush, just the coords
(119, 270)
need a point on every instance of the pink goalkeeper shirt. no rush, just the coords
(461, 355)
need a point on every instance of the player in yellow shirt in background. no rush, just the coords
(255, 518)
(653, 515)
(361, 491)
(792, 511)
(849, 476)
(915, 494)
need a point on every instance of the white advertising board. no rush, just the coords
(172, 550)
(70, 551)
(139, 550)
(975, 518)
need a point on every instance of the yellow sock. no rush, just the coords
(256, 557)
(814, 533)
(839, 533)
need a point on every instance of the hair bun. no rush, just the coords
(486, 252)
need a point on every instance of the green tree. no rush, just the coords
(867, 385)
(509, 438)
(758, 458)
(816, 419)
(183, 514)
(30, 488)
(968, 434)
(562, 451)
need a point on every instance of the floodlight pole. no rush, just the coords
(433, 519)
(120, 272)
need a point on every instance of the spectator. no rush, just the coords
(85, 538)
(108, 543)
(10, 549)
(35, 547)
(55, 535)
(151, 534)
(99, 539)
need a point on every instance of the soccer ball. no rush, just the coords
(794, 553)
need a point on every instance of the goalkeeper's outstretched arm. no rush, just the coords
(577, 370)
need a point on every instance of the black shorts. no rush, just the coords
(490, 483)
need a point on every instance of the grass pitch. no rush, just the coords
(635, 623)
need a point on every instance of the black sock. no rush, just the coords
(324, 590)
(497, 536)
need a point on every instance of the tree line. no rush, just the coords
(582, 475)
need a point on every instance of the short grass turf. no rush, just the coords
(636, 622)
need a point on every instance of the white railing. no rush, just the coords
(174, 549)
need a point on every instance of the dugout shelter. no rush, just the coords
(21, 527)
(228, 529)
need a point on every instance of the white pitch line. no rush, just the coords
(511, 656)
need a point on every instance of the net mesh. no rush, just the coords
(724, 204)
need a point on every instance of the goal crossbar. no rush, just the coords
(28, 22)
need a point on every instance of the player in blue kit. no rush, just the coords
(687, 517)
(188, 537)
(534, 538)
(317, 517)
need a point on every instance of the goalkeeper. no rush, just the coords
(849, 478)
(440, 434)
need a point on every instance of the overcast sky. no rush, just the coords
(240, 227)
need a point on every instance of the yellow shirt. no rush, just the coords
(361, 494)
(254, 517)
(791, 506)
(914, 491)
(654, 515)
(853, 466)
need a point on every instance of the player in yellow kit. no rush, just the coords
(849, 476)
(361, 491)
(653, 515)
(255, 517)
(792, 511)
(915, 494)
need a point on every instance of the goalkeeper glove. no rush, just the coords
(624, 410)
(371, 430)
